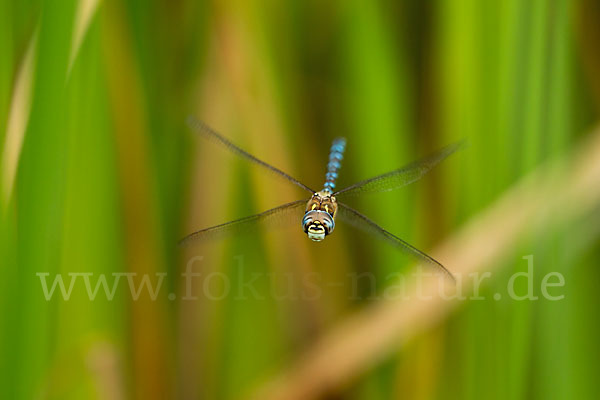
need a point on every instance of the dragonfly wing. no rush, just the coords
(207, 132)
(402, 176)
(283, 215)
(358, 220)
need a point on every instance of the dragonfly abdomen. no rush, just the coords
(336, 154)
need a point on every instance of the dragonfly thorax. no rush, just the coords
(319, 218)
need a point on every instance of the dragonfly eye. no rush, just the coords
(317, 224)
(306, 222)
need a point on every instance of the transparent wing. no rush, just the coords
(283, 215)
(208, 133)
(358, 220)
(401, 177)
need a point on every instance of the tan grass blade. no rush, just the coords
(85, 11)
(18, 117)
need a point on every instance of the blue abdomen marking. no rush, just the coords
(336, 154)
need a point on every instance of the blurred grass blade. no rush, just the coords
(18, 118)
(85, 11)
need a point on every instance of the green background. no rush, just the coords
(108, 178)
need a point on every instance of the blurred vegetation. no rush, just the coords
(101, 175)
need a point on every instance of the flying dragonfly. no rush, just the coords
(320, 211)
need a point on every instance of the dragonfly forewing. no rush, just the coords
(359, 221)
(284, 215)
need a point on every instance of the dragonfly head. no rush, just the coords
(317, 224)
(319, 219)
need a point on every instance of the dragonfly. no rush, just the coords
(320, 211)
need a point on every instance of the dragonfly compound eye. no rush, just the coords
(317, 224)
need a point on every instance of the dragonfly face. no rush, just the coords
(319, 218)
